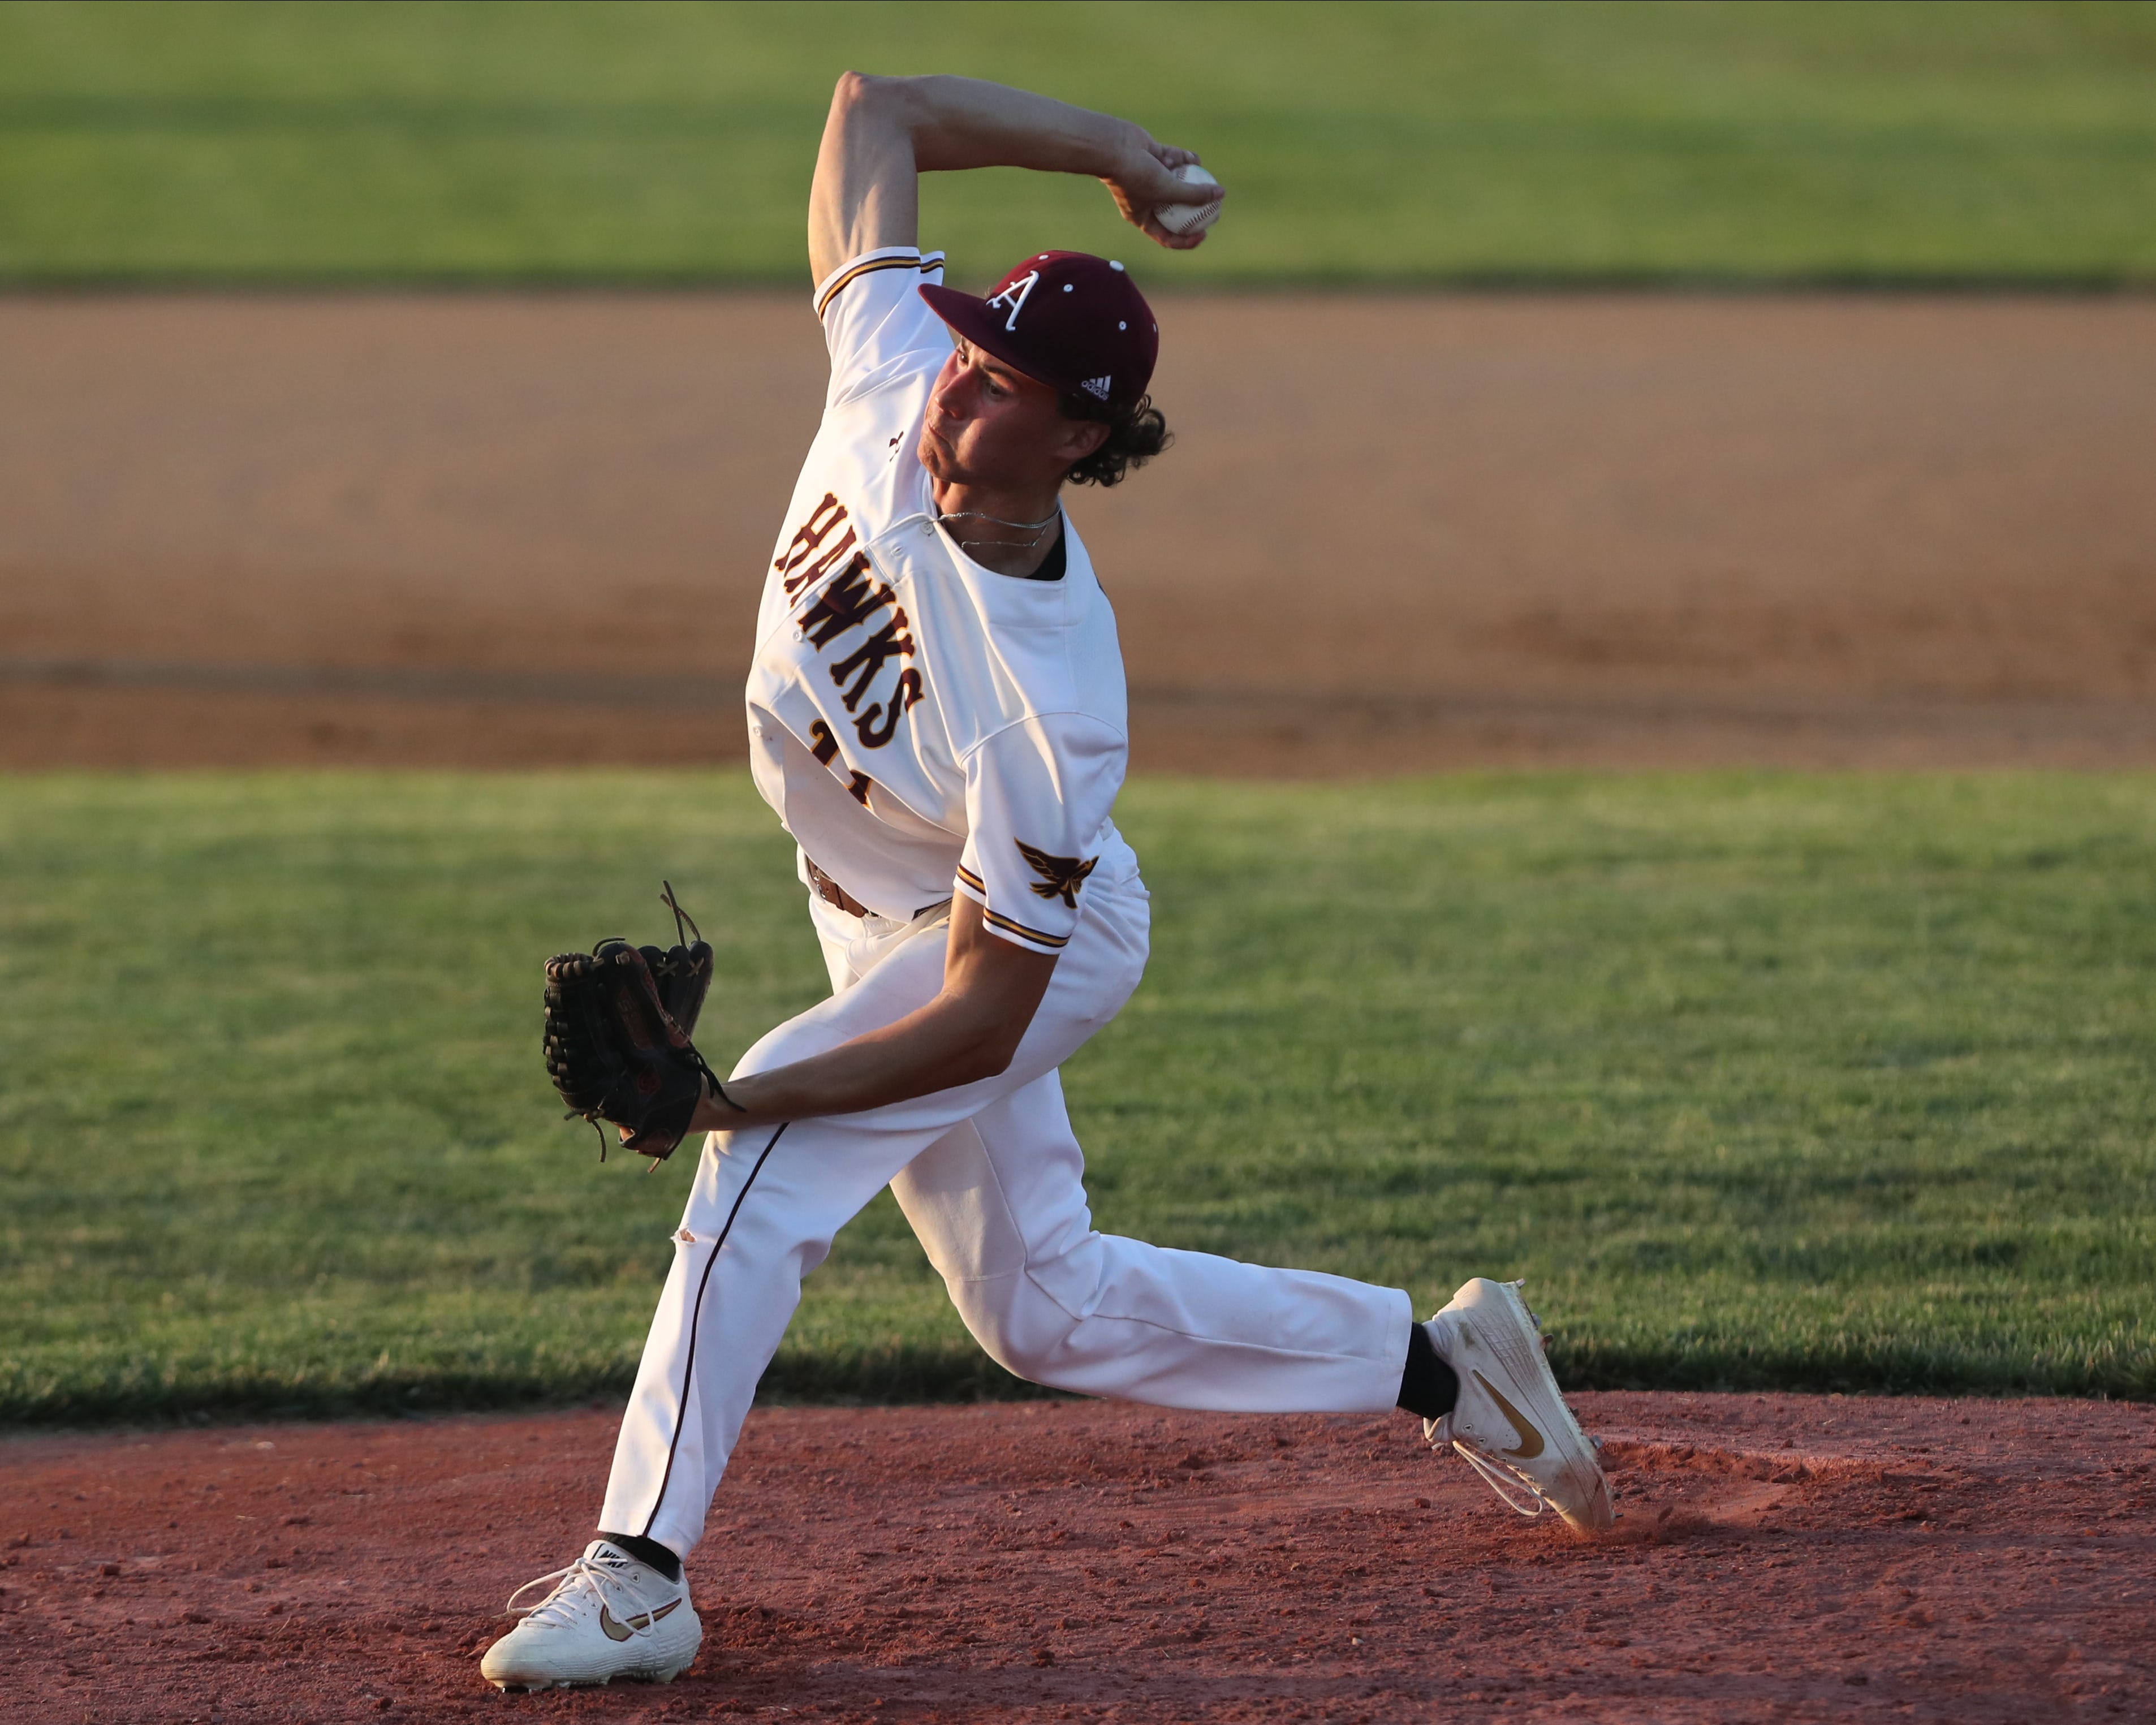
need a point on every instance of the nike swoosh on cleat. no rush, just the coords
(618, 1631)
(1531, 1440)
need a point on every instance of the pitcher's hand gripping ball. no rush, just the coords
(618, 1021)
(1201, 211)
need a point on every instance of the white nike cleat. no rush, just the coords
(1511, 1424)
(605, 1616)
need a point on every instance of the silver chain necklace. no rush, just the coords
(1038, 529)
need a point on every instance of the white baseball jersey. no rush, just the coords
(923, 725)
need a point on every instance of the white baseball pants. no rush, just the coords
(989, 1176)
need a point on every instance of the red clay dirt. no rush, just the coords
(1395, 534)
(1778, 1557)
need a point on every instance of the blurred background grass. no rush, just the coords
(1810, 1082)
(330, 143)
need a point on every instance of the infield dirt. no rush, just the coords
(1396, 534)
(1778, 1557)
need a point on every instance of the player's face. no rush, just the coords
(995, 428)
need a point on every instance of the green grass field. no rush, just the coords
(1820, 1082)
(1364, 143)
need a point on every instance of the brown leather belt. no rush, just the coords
(832, 893)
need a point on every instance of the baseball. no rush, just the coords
(1190, 217)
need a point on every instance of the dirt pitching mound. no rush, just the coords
(1777, 1557)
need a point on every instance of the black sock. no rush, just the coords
(1428, 1386)
(646, 1551)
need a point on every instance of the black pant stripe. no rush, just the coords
(695, 1313)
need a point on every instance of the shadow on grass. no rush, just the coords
(905, 1373)
(916, 1374)
(1906, 1371)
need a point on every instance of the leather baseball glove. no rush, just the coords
(618, 1019)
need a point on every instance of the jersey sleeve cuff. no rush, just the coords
(968, 885)
(890, 257)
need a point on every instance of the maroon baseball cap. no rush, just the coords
(1070, 320)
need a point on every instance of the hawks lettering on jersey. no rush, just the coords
(848, 600)
(799, 564)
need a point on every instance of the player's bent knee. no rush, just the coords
(1018, 1326)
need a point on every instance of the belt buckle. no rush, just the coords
(829, 890)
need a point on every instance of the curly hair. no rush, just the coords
(1136, 434)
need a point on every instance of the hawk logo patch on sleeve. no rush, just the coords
(1060, 876)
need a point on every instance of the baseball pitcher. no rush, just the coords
(936, 715)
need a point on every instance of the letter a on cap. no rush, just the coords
(1014, 296)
